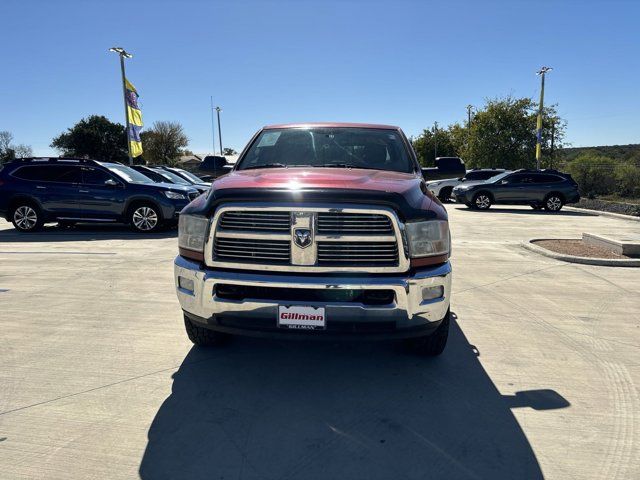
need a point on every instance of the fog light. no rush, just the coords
(186, 284)
(431, 293)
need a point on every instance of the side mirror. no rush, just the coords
(111, 182)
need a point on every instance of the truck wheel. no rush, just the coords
(432, 345)
(482, 201)
(445, 194)
(553, 203)
(26, 217)
(203, 337)
(144, 218)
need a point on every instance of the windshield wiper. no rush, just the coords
(349, 165)
(267, 165)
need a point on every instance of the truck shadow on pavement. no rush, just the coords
(268, 409)
(82, 232)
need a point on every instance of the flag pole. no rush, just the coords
(542, 72)
(122, 54)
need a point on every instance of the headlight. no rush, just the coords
(174, 195)
(192, 232)
(427, 239)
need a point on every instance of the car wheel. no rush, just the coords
(27, 217)
(144, 218)
(431, 345)
(482, 201)
(204, 337)
(445, 194)
(553, 203)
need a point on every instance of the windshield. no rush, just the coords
(497, 178)
(369, 148)
(173, 177)
(129, 174)
(190, 176)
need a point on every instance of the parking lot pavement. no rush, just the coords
(98, 379)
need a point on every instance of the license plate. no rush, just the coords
(302, 318)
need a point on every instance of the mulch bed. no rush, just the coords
(579, 249)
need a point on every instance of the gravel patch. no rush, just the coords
(609, 206)
(578, 248)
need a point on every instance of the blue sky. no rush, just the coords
(404, 63)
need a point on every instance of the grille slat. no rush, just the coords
(358, 253)
(252, 250)
(340, 223)
(267, 221)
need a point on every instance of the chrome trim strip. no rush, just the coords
(398, 229)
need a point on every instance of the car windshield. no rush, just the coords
(497, 178)
(342, 147)
(129, 174)
(190, 176)
(173, 177)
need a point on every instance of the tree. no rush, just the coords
(164, 142)
(94, 137)
(425, 145)
(229, 151)
(502, 134)
(9, 151)
(594, 174)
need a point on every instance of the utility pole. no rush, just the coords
(435, 142)
(218, 110)
(124, 54)
(213, 128)
(469, 109)
(542, 72)
(553, 137)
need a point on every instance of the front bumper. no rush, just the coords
(408, 315)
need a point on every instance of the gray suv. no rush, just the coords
(548, 189)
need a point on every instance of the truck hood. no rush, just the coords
(403, 192)
(297, 178)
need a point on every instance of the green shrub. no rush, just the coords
(627, 177)
(594, 174)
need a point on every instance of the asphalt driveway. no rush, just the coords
(98, 380)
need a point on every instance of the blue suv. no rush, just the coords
(34, 191)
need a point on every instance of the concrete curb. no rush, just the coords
(619, 216)
(603, 262)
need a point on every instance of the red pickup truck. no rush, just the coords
(322, 230)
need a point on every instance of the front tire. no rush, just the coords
(27, 217)
(432, 345)
(445, 194)
(144, 218)
(203, 337)
(553, 203)
(482, 201)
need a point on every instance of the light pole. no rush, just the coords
(218, 110)
(122, 53)
(469, 109)
(213, 128)
(542, 72)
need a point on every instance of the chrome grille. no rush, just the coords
(344, 238)
(357, 253)
(252, 250)
(249, 221)
(337, 223)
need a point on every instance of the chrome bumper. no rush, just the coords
(408, 311)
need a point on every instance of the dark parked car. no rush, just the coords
(443, 188)
(446, 167)
(160, 175)
(188, 177)
(38, 190)
(547, 189)
(214, 166)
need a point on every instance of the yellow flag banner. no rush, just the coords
(134, 116)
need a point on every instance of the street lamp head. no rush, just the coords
(544, 70)
(218, 109)
(121, 51)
